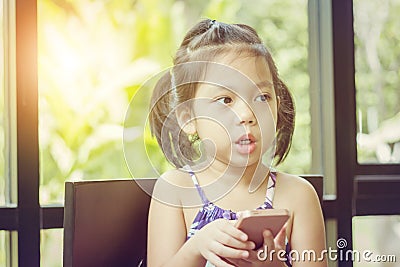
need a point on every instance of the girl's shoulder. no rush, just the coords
(295, 187)
(291, 179)
(175, 187)
(177, 177)
(168, 187)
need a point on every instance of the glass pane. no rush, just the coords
(377, 65)
(376, 240)
(3, 248)
(331, 239)
(51, 244)
(2, 113)
(283, 25)
(8, 248)
(94, 55)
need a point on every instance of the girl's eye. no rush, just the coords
(263, 98)
(225, 100)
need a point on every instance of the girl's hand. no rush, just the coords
(220, 240)
(264, 256)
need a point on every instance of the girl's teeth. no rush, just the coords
(245, 142)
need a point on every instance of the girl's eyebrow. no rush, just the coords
(264, 84)
(229, 87)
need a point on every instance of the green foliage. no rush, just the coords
(94, 56)
(2, 122)
(377, 65)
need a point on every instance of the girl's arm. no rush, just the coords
(308, 230)
(166, 238)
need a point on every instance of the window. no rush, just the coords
(3, 234)
(382, 240)
(2, 114)
(362, 189)
(80, 128)
(377, 61)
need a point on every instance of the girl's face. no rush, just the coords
(235, 110)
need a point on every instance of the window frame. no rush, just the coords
(27, 145)
(353, 191)
(351, 176)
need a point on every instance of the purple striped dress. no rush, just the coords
(210, 212)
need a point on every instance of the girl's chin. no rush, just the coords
(244, 160)
(242, 156)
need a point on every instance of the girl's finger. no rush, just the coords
(280, 238)
(227, 252)
(229, 240)
(268, 239)
(230, 229)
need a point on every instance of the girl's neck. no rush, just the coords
(251, 176)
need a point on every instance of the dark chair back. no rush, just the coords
(317, 183)
(105, 222)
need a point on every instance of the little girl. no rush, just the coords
(223, 117)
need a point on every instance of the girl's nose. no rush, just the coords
(247, 122)
(246, 114)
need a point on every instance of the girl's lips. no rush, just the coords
(246, 138)
(246, 144)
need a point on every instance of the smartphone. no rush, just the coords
(253, 223)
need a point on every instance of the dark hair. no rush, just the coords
(204, 42)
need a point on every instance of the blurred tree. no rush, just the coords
(95, 55)
(377, 62)
(3, 113)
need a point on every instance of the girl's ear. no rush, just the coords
(278, 102)
(185, 120)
